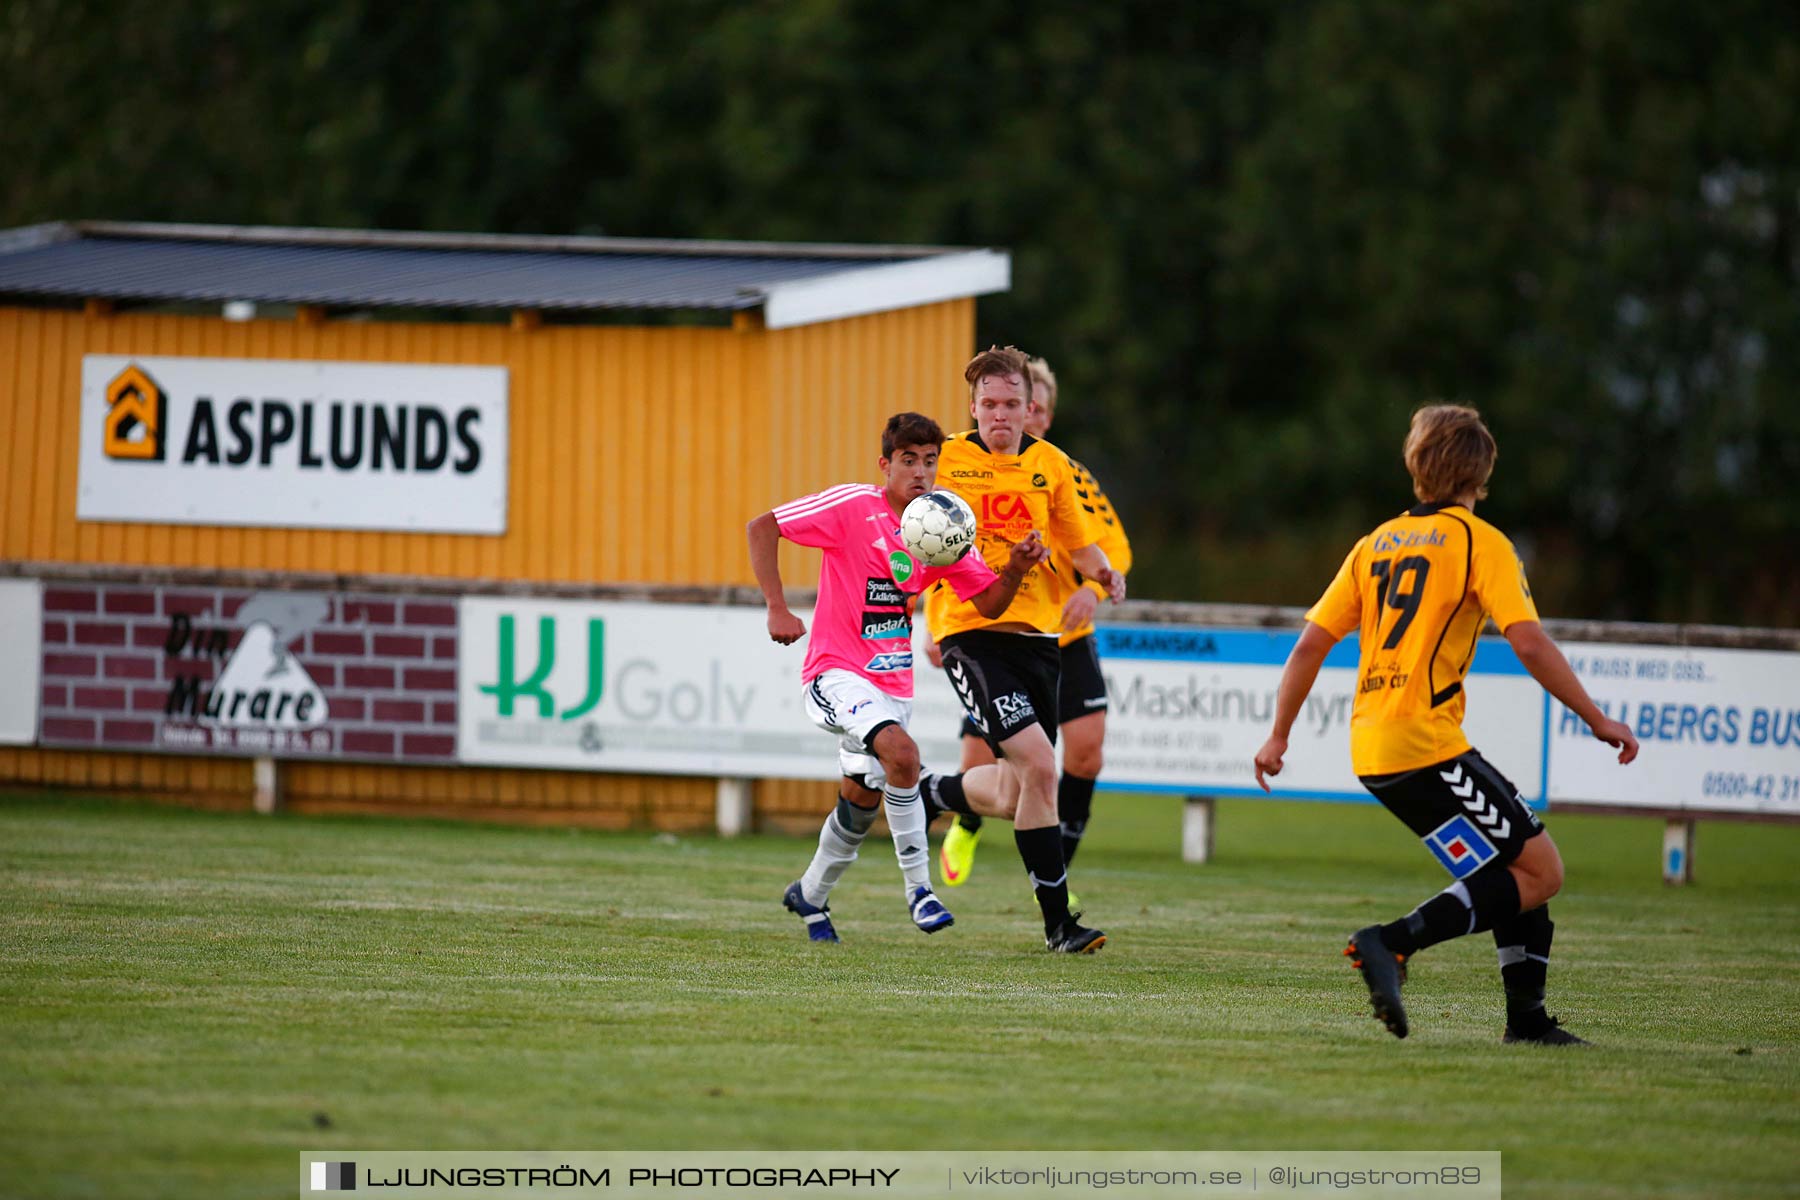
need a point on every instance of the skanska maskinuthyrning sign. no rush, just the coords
(293, 444)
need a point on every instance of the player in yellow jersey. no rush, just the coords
(1005, 670)
(1417, 591)
(1081, 692)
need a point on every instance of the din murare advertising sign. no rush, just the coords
(232, 671)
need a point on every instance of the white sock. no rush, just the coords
(906, 821)
(837, 850)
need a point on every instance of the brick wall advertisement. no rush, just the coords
(206, 670)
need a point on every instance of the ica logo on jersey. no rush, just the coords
(1007, 514)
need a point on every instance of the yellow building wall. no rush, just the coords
(637, 455)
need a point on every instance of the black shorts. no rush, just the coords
(1006, 681)
(1467, 813)
(1082, 690)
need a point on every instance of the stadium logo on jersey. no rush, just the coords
(895, 660)
(882, 591)
(971, 474)
(1460, 846)
(136, 417)
(901, 563)
(1396, 540)
(878, 626)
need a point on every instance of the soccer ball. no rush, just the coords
(938, 528)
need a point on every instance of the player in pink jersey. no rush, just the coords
(858, 669)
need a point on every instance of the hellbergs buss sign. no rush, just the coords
(294, 444)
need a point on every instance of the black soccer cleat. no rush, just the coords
(1383, 971)
(1071, 937)
(1552, 1034)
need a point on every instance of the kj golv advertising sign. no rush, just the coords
(665, 688)
(293, 444)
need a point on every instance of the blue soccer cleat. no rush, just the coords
(928, 912)
(818, 920)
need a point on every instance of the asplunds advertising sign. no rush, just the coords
(665, 688)
(291, 444)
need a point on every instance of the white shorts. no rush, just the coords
(846, 704)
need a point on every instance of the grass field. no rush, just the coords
(188, 997)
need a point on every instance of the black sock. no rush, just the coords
(1074, 800)
(1468, 906)
(970, 820)
(1524, 946)
(933, 807)
(1041, 851)
(944, 793)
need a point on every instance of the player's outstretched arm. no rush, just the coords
(1548, 666)
(997, 597)
(1092, 562)
(765, 540)
(1297, 678)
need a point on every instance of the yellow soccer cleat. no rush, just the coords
(956, 857)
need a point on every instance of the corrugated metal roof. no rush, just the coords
(372, 269)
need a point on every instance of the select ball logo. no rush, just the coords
(938, 528)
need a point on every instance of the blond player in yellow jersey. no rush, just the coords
(1005, 669)
(1417, 591)
(1081, 692)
